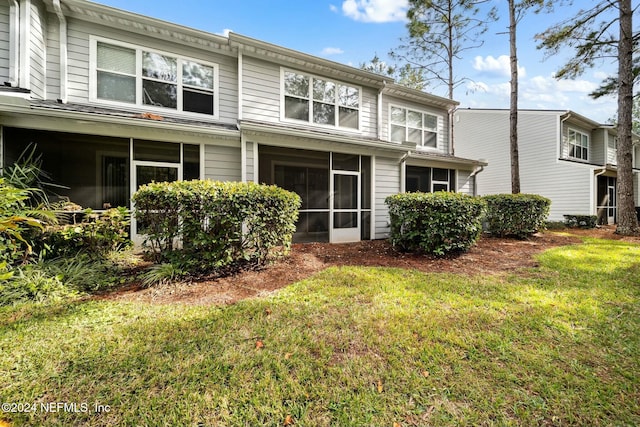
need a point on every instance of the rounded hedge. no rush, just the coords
(518, 215)
(436, 223)
(210, 225)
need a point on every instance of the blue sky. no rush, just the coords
(353, 31)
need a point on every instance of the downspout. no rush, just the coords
(452, 150)
(63, 51)
(14, 43)
(561, 154)
(473, 174)
(384, 84)
(24, 77)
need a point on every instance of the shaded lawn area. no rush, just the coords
(555, 345)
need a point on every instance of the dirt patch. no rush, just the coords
(490, 256)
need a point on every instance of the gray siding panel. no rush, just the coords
(53, 58)
(387, 182)
(485, 134)
(261, 90)
(222, 163)
(465, 183)
(37, 51)
(250, 162)
(79, 46)
(4, 42)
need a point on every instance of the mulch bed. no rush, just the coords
(490, 256)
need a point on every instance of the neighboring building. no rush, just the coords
(114, 100)
(563, 156)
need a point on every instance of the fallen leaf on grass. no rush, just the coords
(288, 356)
(268, 311)
(396, 424)
(380, 387)
(259, 344)
(288, 421)
(425, 374)
(4, 423)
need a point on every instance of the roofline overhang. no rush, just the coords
(23, 107)
(292, 58)
(445, 159)
(141, 24)
(264, 128)
(395, 89)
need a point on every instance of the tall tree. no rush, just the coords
(404, 75)
(513, 102)
(439, 32)
(606, 32)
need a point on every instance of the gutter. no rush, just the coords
(63, 51)
(14, 43)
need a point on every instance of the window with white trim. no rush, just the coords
(126, 74)
(320, 101)
(578, 145)
(413, 126)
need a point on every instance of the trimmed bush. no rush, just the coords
(518, 215)
(436, 223)
(580, 221)
(219, 225)
(96, 234)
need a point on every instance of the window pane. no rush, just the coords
(397, 133)
(116, 87)
(296, 84)
(324, 91)
(116, 58)
(418, 179)
(365, 226)
(440, 174)
(346, 162)
(440, 187)
(197, 101)
(198, 75)
(348, 96)
(159, 67)
(365, 182)
(324, 114)
(345, 219)
(430, 139)
(398, 116)
(155, 151)
(414, 119)
(295, 108)
(430, 122)
(159, 94)
(415, 136)
(348, 118)
(345, 189)
(190, 161)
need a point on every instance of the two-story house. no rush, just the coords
(114, 100)
(563, 156)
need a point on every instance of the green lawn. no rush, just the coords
(558, 345)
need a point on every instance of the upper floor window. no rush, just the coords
(414, 127)
(132, 75)
(320, 101)
(578, 145)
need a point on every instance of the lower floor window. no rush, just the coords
(429, 180)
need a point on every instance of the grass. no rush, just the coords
(557, 345)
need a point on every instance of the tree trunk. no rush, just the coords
(513, 112)
(627, 219)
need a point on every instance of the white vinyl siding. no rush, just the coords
(387, 182)
(37, 50)
(4, 42)
(465, 183)
(485, 134)
(79, 35)
(612, 150)
(251, 161)
(222, 163)
(261, 90)
(53, 57)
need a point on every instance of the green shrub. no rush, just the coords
(518, 215)
(435, 223)
(219, 225)
(17, 221)
(97, 234)
(580, 221)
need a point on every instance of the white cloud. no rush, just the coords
(332, 51)
(500, 66)
(375, 10)
(225, 32)
(333, 8)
